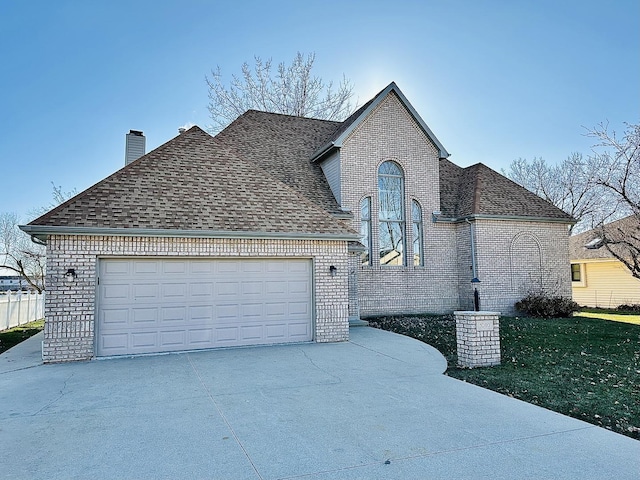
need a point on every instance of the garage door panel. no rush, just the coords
(276, 331)
(174, 291)
(303, 268)
(276, 287)
(227, 267)
(173, 338)
(117, 342)
(299, 330)
(201, 289)
(114, 316)
(162, 305)
(252, 312)
(174, 267)
(250, 333)
(227, 289)
(174, 314)
(227, 335)
(146, 292)
(144, 340)
(115, 292)
(275, 266)
(252, 266)
(145, 267)
(200, 337)
(225, 312)
(252, 288)
(299, 309)
(117, 267)
(202, 267)
(275, 310)
(201, 313)
(298, 288)
(142, 315)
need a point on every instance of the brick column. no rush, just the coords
(478, 338)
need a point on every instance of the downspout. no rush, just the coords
(474, 268)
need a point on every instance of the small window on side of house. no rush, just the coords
(576, 272)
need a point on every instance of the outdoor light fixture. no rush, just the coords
(333, 271)
(70, 276)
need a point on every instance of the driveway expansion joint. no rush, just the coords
(224, 419)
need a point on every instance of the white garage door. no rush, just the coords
(163, 305)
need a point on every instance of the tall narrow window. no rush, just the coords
(391, 198)
(365, 229)
(416, 217)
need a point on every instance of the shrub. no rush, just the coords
(546, 306)
(635, 308)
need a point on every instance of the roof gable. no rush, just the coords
(193, 183)
(350, 124)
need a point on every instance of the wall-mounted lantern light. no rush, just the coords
(333, 271)
(70, 276)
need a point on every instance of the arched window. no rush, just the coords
(365, 229)
(416, 217)
(391, 216)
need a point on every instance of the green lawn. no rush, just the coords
(13, 336)
(582, 367)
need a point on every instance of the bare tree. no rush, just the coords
(618, 161)
(19, 254)
(59, 196)
(292, 90)
(570, 185)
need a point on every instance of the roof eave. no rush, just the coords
(41, 232)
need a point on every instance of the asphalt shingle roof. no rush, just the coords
(283, 145)
(193, 182)
(624, 227)
(257, 176)
(479, 190)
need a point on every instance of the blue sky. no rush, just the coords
(494, 80)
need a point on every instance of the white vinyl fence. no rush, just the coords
(18, 308)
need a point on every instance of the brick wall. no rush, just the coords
(513, 256)
(390, 133)
(70, 308)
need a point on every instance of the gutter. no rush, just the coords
(522, 218)
(41, 232)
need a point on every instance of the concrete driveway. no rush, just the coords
(376, 407)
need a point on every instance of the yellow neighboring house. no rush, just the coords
(597, 278)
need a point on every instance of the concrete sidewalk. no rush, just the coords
(376, 407)
(26, 354)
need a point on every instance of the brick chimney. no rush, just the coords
(135, 146)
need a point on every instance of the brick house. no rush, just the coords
(284, 229)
